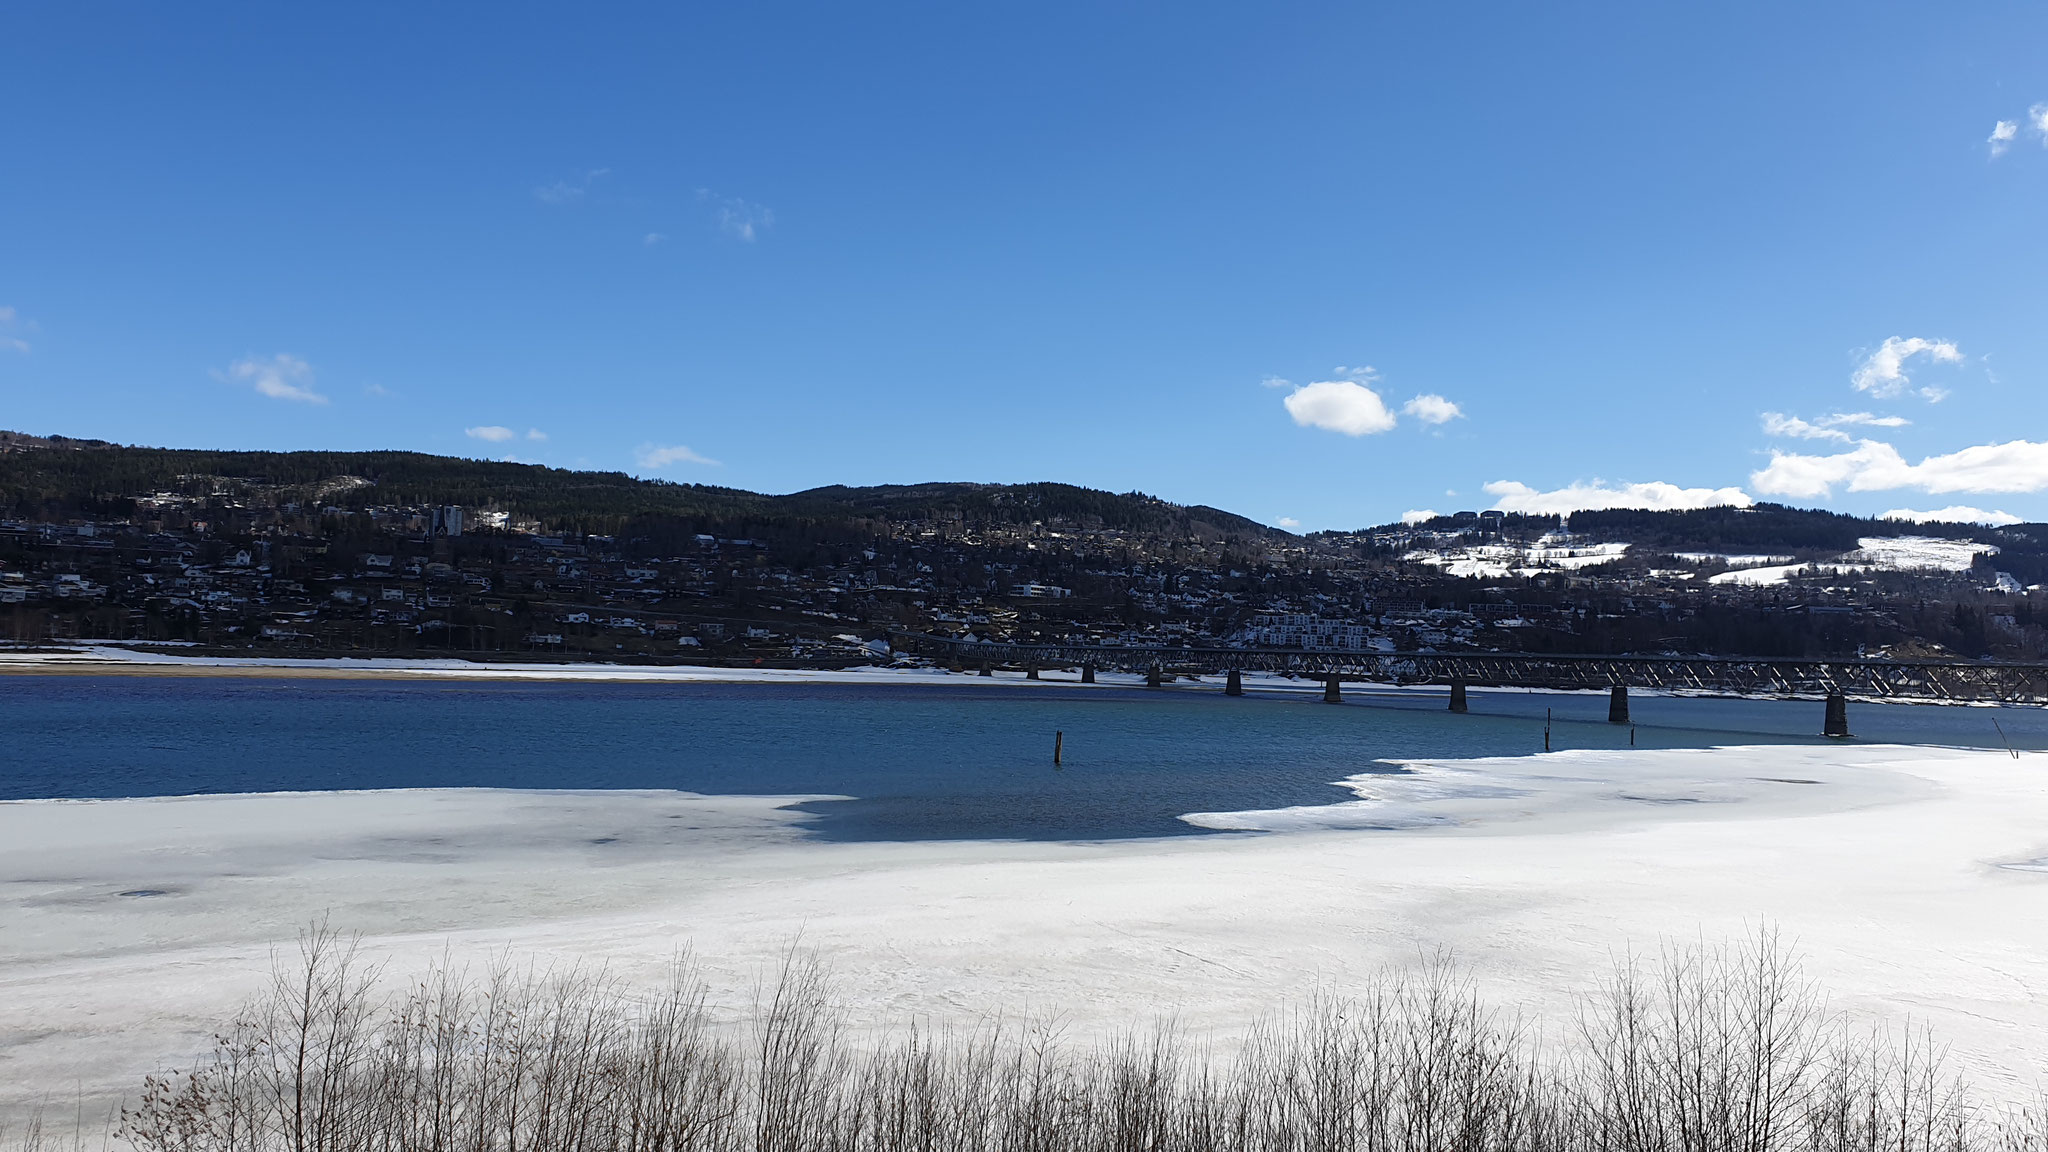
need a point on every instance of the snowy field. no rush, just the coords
(1912, 880)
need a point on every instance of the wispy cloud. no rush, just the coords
(653, 238)
(1276, 382)
(1883, 372)
(1432, 409)
(375, 389)
(1289, 522)
(1827, 427)
(655, 457)
(1874, 466)
(1512, 496)
(280, 377)
(495, 433)
(1953, 514)
(570, 191)
(2001, 136)
(535, 434)
(740, 219)
(11, 327)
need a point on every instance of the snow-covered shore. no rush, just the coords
(1911, 878)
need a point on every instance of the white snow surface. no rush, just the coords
(1910, 878)
(1888, 553)
(1772, 574)
(1918, 553)
(1732, 559)
(1496, 561)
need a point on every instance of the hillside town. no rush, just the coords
(227, 573)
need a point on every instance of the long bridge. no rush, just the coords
(1822, 678)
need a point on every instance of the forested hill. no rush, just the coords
(53, 478)
(1763, 528)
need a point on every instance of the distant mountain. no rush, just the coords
(54, 478)
(42, 478)
(1771, 528)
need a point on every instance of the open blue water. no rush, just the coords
(921, 762)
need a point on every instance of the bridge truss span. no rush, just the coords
(1955, 681)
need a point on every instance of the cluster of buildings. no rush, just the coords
(321, 578)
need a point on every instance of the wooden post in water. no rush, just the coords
(1058, 738)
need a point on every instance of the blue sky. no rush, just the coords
(1318, 264)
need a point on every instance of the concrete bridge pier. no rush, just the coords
(1837, 724)
(1617, 704)
(1333, 692)
(1233, 683)
(987, 669)
(1087, 673)
(1458, 696)
(1031, 670)
(1154, 677)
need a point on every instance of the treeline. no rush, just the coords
(1772, 529)
(55, 480)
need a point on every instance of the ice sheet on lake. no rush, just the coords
(134, 927)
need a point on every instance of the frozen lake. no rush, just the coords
(917, 761)
(619, 824)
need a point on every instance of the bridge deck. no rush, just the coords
(1955, 681)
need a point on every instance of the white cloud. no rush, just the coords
(1779, 424)
(1883, 372)
(1289, 522)
(653, 238)
(535, 434)
(495, 433)
(1953, 514)
(375, 389)
(1341, 406)
(1827, 427)
(656, 457)
(1511, 496)
(569, 191)
(2014, 466)
(1865, 419)
(1432, 409)
(2037, 119)
(281, 377)
(1418, 515)
(2001, 136)
(740, 219)
(1276, 382)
